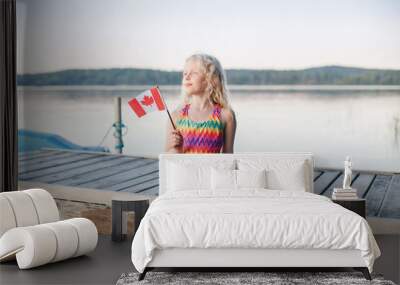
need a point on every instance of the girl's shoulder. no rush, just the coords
(227, 114)
(179, 110)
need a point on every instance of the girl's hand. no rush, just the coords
(175, 138)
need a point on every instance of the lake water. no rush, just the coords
(329, 121)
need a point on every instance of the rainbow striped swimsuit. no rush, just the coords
(201, 137)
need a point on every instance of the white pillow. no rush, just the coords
(229, 179)
(255, 178)
(282, 174)
(193, 174)
(223, 179)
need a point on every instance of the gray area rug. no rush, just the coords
(228, 278)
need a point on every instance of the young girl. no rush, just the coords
(205, 122)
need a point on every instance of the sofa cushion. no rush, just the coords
(23, 207)
(7, 215)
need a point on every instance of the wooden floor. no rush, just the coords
(113, 172)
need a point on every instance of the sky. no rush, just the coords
(160, 34)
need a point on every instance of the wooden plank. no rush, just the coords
(130, 174)
(50, 157)
(143, 187)
(376, 194)
(38, 160)
(338, 183)
(133, 182)
(26, 154)
(317, 174)
(362, 183)
(67, 176)
(43, 153)
(64, 167)
(140, 175)
(391, 203)
(50, 162)
(153, 191)
(104, 171)
(325, 180)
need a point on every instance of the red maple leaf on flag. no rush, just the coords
(147, 100)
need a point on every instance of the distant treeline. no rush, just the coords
(335, 75)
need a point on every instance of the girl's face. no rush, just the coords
(193, 79)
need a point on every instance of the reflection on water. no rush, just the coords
(328, 121)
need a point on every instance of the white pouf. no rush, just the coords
(31, 232)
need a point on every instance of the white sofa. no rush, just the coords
(31, 231)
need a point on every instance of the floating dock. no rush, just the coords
(134, 174)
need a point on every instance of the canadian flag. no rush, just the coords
(146, 102)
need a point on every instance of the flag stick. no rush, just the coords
(172, 122)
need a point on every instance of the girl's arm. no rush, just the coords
(229, 130)
(169, 147)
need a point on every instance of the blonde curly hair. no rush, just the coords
(215, 77)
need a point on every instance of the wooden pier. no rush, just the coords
(134, 174)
